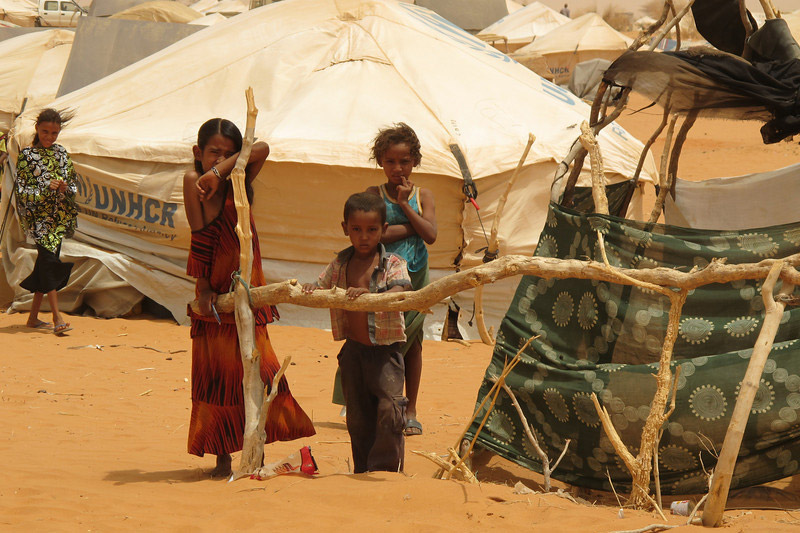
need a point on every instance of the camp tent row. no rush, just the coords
(523, 26)
(584, 38)
(32, 66)
(326, 76)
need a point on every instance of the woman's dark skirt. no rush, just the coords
(49, 273)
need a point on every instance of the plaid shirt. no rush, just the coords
(385, 327)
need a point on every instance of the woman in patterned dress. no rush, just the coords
(45, 190)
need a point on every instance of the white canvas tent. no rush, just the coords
(159, 11)
(19, 12)
(202, 6)
(326, 76)
(228, 8)
(209, 20)
(31, 66)
(524, 26)
(512, 6)
(469, 15)
(586, 37)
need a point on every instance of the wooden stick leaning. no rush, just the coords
(646, 33)
(677, 146)
(671, 24)
(254, 436)
(494, 244)
(589, 143)
(547, 468)
(723, 472)
(663, 175)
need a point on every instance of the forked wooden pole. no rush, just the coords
(723, 472)
(254, 436)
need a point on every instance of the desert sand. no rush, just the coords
(94, 426)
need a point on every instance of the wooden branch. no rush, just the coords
(674, 158)
(663, 177)
(578, 152)
(589, 143)
(608, 426)
(276, 379)
(461, 466)
(677, 27)
(480, 322)
(769, 9)
(643, 157)
(748, 27)
(641, 466)
(493, 250)
(511, 265)
(531, 437)
(661, 34)
(494, 391)
(723, 472)
(254, 435)
(651, 527)
(646, 34)
(563, 453)
(447, 466)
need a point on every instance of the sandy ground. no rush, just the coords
(93, 433)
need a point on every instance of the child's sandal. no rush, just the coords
(60, 329)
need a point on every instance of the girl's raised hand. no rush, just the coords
(207, 186)
(404, 190)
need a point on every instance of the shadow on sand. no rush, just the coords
(193, 475)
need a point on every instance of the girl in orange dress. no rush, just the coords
(217, 420)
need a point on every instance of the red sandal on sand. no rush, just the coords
(60, 329)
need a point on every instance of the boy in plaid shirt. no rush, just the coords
(370, 360)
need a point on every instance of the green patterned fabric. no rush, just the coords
(603, 338)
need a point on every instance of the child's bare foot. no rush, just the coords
(223, 468)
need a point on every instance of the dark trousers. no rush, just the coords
(372, 382)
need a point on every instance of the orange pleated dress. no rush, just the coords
(217, 420)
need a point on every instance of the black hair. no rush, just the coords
(397, 134)
(366, 202)
(226, 128)
(52, 115)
